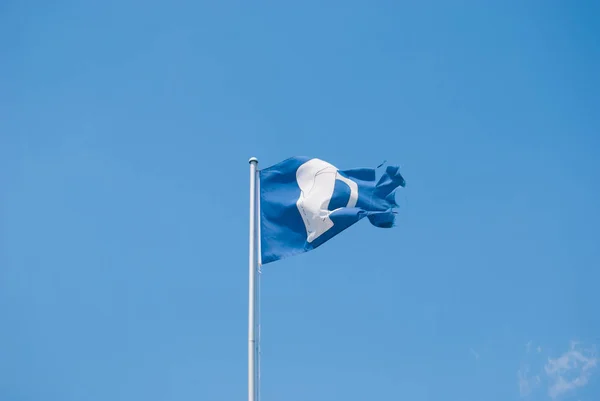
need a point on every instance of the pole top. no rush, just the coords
(253, 160)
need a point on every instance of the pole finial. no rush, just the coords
(253, 160)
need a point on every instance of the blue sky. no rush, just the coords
(125, 130)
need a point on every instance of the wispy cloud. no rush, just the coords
(529, 345)
(475, 354)
(527, 382)
(559, 376)
(570, 371)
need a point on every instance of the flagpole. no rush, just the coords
(251, 287)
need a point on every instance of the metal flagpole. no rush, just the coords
(251, 287)
(258, 288)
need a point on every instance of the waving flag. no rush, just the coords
(304, 202)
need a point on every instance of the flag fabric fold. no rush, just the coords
(304, 202)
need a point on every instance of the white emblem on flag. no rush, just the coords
(316, 179)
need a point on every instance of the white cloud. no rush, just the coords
(570, 371)
(529, 345)
(475, 354)
(527, 383)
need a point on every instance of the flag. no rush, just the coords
(305, 202)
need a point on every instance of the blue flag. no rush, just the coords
(304, 202)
